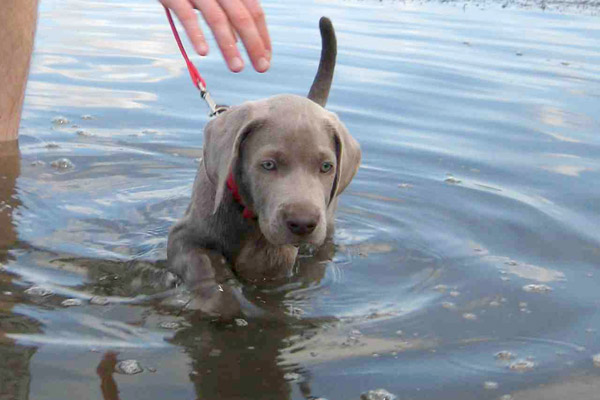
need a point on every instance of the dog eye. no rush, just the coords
(326, 167)
(268, 165)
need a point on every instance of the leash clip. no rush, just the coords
(194, 74)
(215, 109)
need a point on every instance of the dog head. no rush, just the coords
(288, 155)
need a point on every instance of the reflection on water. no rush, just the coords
(471, 229)
(14, 368)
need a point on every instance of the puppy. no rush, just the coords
(268, 183)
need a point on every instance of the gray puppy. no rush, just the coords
(268, 182)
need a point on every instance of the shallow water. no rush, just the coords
(479, 130)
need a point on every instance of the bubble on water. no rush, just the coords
(7, 293)
(294, 311)
(469, 316)
(241, 322)
(37, 163)
(60, 120)
(596, 360)
(83, 132)
(405, 185)
(150, 369)
(448, 305)
(452, 180)
(399, 332)
(490, 385)
(52, 145)
(378, 394)
(506, 397)
(440, 288)
(128, 367)
(504, 355)
(87, 117)
(71, 303)
(170, 325)
(99, 300)
(537, 288)
(494, 303)
(39, 291)
(292, 377)
(522, 304)
(62, 164)
(455, 293)
(522, 365)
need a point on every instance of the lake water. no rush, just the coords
(467, 247)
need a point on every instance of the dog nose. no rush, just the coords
(302, 225)
(301, 219)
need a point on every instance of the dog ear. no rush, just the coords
(222, 139)
(348, 156)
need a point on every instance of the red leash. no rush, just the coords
(214, 109)
(194, 74)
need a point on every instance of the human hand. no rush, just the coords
(226, 19)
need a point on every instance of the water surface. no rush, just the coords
(471, 228)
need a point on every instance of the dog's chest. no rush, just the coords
(259, 260)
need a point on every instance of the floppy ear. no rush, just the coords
(222, 138)
(348, 155)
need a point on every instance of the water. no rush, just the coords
(471, 229)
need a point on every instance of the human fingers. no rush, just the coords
(219, 24)
(260, 21)
(187, 16)
(244, 24)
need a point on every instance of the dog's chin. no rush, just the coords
(278, 238)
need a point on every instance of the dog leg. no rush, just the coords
(206, 275)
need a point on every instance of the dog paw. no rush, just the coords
(215, 300)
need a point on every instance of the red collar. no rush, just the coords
(235, 192)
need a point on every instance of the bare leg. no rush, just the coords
(17, 29)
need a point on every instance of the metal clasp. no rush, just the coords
(214, 108)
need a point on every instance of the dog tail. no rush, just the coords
(319, 91)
